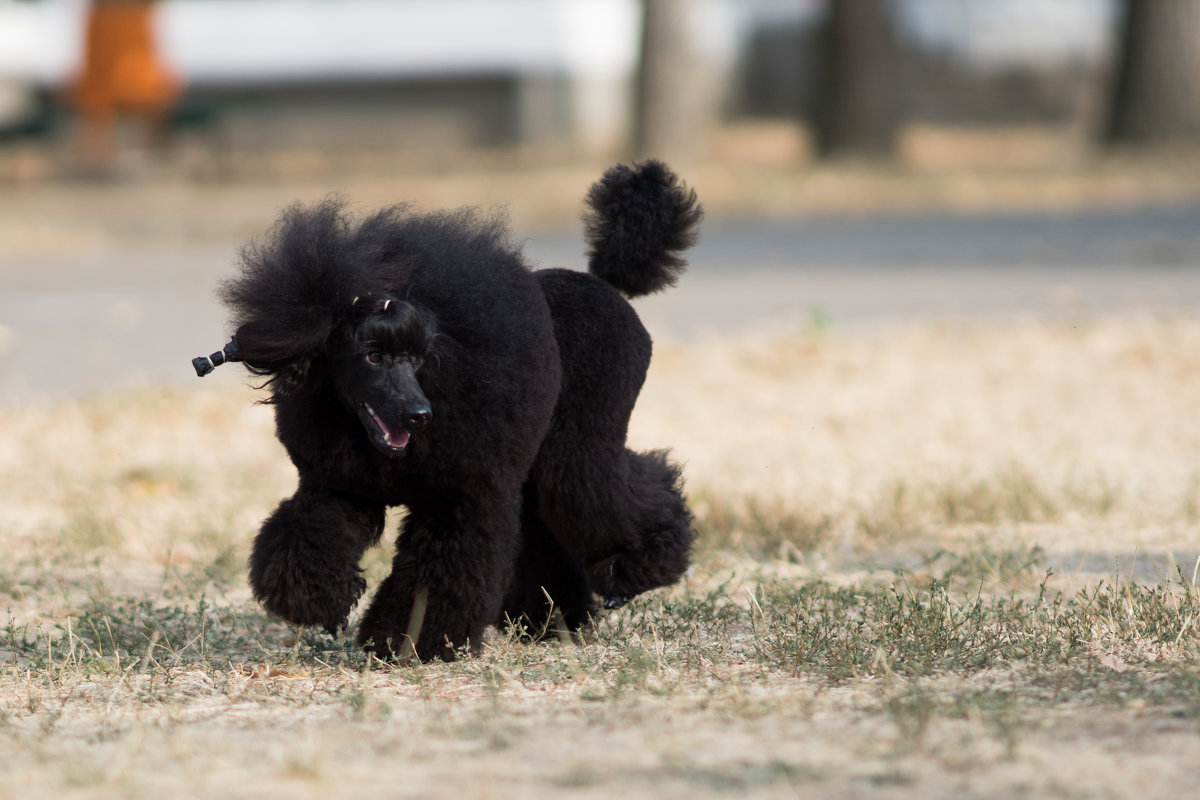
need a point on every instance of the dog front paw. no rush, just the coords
(312, 595)
(304, 563)
(405, 622)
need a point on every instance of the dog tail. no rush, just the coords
(638, 222)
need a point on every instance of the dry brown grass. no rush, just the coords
(1081, 427)
(870, 612)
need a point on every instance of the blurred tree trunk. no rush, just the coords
(666, 121)
(858, 105)
(1155, 93)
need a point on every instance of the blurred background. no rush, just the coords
(572, 78)
(861, 160)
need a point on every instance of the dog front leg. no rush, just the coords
(448, 577)
(304, 563)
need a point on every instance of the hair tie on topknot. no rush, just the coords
(206, 364)
(370, 304)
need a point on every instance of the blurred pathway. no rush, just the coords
(850, 272)
(137, 314)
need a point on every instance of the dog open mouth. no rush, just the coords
(387, 438)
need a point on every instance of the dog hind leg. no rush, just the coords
(656, 548)
(546, 579)
(632, 530)
(620, 513)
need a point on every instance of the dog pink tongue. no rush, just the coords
(396, 438)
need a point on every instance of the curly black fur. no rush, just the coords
(413, 359)
(638, 222)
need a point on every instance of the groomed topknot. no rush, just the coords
(296, 287)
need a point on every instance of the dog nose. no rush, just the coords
(417, 417)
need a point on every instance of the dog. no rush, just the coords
(414, 359)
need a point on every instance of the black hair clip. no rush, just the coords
(206, 364)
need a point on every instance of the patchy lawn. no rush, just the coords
(935, 561)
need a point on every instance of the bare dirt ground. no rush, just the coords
(872, 611)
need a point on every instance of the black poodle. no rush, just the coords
(414, 359)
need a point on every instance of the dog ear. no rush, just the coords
(287, 294)
(283, 351)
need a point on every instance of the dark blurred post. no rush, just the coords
(1156, 82)
(858, 99)
(666, 123)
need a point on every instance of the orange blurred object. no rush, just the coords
(121, 67)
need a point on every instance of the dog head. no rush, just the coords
(320, 304)
(374, 363)
(329, 303)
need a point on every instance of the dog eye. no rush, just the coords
(374, 357)
(416, 361)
